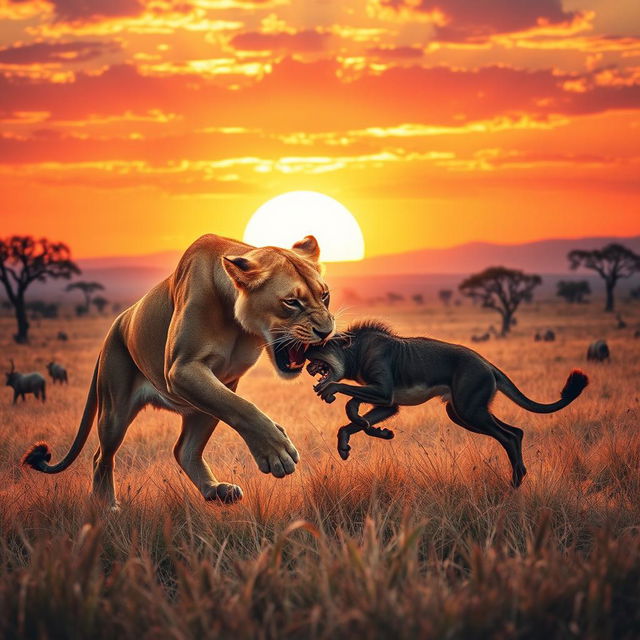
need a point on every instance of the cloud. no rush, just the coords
(311, 97)
(308, 40)
(55, 52)
(462, 20)
(404, 52)
(87, 10)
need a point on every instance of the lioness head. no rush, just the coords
(282, 297)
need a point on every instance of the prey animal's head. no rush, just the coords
(338, 358)
(329, 359)
(283, 298)
(12, 375)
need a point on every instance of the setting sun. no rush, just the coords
(286, 218)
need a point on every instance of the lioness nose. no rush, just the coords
(321, 334)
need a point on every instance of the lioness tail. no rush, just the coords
(38, 455)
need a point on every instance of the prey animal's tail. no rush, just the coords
(576, 382)
(38, 455)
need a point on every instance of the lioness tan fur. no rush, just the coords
(185, 345)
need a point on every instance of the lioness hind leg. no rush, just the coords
(196, 431)
(112, 427)
(115, 383)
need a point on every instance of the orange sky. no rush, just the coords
(131, 126)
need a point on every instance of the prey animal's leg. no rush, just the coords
(196, 431)
(484, 422)
(471, 396)
(374, 416)
(344, 434)
(453, 415)
(352, 407)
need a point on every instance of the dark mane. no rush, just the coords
(370, 326)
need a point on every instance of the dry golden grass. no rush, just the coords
(417, 537)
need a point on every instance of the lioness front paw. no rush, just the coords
(224, 492)
(274, 453)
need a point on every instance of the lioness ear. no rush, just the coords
(307, 248)
(244, 272)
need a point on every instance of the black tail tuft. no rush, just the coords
(575, 384)
(37, 456)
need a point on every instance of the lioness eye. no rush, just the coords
(294, 303)
(326, 297)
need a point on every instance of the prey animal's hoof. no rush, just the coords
(344, 451)
(224, 492)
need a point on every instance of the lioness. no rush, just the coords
(184, 346)
(394, 371)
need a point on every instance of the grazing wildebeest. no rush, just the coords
(549, 335)
(24, 383)
(537, 337)
(637, 333)
(62, 336)
(57, 372)
(481, 338)
(598, 351)
(621, 323)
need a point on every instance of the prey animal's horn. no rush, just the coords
(13, 366)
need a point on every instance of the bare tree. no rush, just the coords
(87, 289)
(25, 260)
(501, 289)
(612, 263)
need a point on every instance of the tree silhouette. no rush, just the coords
(25, 260)
(445, 296)
(573, 290)
(502, 290)
(612, 263)
(100, 302)
(87, 289)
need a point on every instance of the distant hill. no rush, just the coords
(126, 278)
(543, 256)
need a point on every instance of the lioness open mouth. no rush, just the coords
(318, 366)
(290, 359)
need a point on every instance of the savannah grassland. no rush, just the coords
(420, 537)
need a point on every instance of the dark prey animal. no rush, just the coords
(58, 373)
(24, 383)
(394, 371)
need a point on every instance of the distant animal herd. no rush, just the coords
(34, 382)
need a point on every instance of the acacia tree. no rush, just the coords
(502, 290)
(87, 289)
(25, 260)
(573, 290)
(612, 263)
